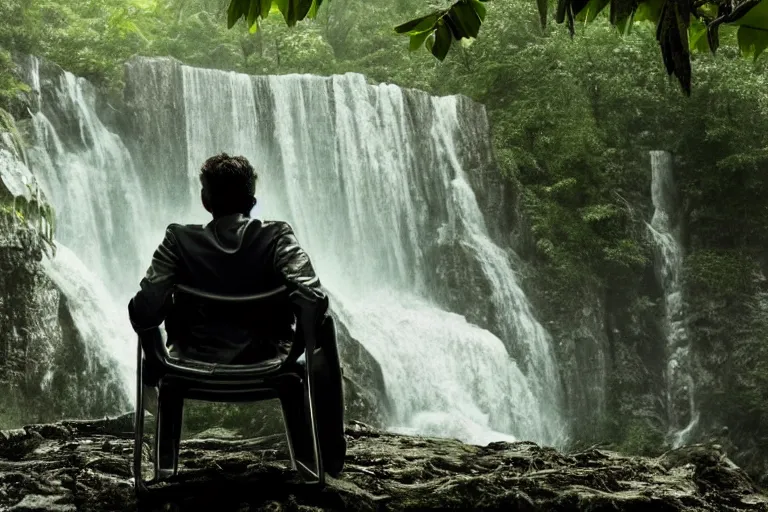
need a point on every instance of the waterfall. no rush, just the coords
(86, 172)
(99, 319)
(367, 175)
(682, 415)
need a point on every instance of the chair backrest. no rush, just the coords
(278, 294)
(266, 313)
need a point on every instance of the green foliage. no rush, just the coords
(721, 273)
(641, 439)
(248, 419)
(11, 88)
(255, 10)
(681, 25)
(8, 125)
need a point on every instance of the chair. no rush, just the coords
(181, 379)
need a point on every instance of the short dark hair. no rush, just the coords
(229, 184)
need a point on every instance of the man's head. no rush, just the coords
(229, 185)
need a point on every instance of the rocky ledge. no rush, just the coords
(85, 465)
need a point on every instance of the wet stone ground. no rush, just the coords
(86, 465)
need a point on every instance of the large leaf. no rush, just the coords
(465, 19)
(752, 36)
(266, 6)
(480, 8)
(254, 11)
(442, 41)
(593, 8)
(418, 25)
(302, 9)
(567, 10)
(622, 15)
(288, 9)
(542, 6)
(752, 41)
(746, 12)
(417, 40)
(697, 36)
(237, 9)
(314, 9)
(650, 10)
(753, 13)
(672, 34)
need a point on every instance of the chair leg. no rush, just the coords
(170, 408)
(329, 408)
(329, 394)
(292, 400)
(311, 412)
(138, 441)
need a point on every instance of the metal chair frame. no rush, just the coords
(235, 383)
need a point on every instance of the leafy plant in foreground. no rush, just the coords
(681, 25)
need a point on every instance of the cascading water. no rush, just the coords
(88, 174)
(368, 176)
(100, 321)
(682, 414)
(88, 178)
(519, 325)
(354, 177)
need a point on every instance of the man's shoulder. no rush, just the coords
(277, 227)
(180, 233)
(175, 228)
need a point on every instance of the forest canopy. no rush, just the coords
(681, 25)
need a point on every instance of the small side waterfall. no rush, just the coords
(682, 414)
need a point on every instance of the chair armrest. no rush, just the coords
(152, 345)
(309, 314)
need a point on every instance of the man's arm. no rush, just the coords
(148, 308)
(294, 267)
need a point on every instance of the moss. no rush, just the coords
(247, 419)
(8, 125)
(640, 438)
(721, 272)
(12, 89)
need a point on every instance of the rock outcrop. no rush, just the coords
(85, 466)
(44, 375)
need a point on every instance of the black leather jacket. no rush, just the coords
(232, 255)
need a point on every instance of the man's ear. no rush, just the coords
(206, 202)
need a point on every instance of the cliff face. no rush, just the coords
(610, 339)
(44, 374)
(85, 466)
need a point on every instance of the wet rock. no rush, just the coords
(365, 397)
(43, 374)
(16, 444)
(383, 472)
(37, 503)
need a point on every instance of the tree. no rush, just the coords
(681, 25)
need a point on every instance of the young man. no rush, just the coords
(237, 255)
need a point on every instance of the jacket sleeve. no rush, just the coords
(148, 308)
(294, 266)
